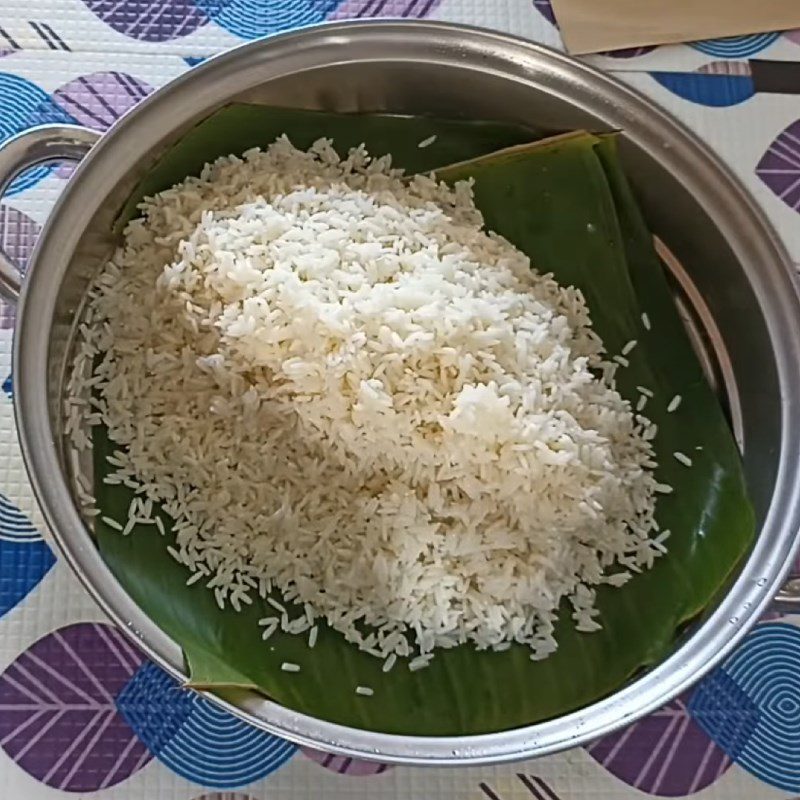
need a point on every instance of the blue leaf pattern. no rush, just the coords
(25, 557)
(196, 739)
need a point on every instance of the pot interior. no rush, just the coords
(704, 233)
(722, 311)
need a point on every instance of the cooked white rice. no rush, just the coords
(346, 394)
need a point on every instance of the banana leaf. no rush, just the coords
(239, 127)
(567, 204)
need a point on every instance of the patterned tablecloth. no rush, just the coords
(81, 711)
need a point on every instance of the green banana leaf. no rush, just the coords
(567, 204)
(239, 127)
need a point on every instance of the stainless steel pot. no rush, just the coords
(737, 286)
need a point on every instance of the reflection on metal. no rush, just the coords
(706, 339)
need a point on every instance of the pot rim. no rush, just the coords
(742, 222)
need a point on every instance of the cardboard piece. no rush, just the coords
(592, 26)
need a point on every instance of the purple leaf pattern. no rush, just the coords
(532, 785)
(158, 21)
(666, 754)
(545, 9)
(100, 99)
(344, 765)
(488, 791)
(18, 234)
(58, 717)
(538, 787)
(351, 9)
(149, 20)
(780, 166)
(96, 101)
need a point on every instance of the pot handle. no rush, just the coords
(39, 145)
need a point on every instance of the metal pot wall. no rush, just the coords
(737, 285)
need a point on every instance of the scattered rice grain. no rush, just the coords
(674, 403)
(389, 663)
(683, 458)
